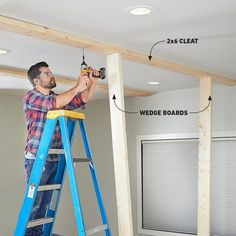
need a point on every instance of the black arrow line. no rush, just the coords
(194, 112)
(150, 54)
(132, 112)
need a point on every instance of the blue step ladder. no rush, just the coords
(67, 122)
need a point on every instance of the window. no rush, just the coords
(167, 185)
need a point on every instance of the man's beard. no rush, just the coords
(53, 85)
(50, 85)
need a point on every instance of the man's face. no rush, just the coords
(46, 78)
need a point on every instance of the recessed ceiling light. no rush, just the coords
(153, 82)
(140, 10)
(4, 51)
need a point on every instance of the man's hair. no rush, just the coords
(34, 71)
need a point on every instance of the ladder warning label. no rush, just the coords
(31, 191)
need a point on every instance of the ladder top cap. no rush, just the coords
(72, 114)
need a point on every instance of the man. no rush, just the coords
(37, 102)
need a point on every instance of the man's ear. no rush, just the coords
(36, 81)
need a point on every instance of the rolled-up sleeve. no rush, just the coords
(75, 103)
(39, 102)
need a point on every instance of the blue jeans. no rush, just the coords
(43, 198)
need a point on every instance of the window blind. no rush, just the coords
(169, 176)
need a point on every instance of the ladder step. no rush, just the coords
(40, 221)
(56, 151)
(97, 229)
(82, 159)
(49, 187)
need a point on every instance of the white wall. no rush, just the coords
(12, 137)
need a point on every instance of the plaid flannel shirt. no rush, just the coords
(36, 105)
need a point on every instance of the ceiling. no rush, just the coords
(212, 22)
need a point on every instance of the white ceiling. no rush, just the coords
(211, 21)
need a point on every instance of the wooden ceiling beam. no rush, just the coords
(20, 73)
(45, 33)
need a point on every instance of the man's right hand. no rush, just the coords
(83, 82)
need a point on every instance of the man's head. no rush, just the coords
(40, 75)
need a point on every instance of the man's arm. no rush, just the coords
(64, 98)
(88, 93)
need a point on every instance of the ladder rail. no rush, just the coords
(94, 178)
